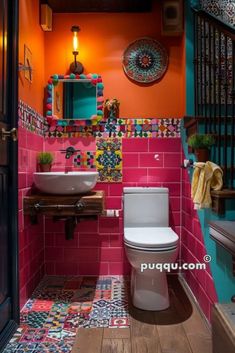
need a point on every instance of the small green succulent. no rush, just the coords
(45, 158)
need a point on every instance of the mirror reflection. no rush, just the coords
(74, 99)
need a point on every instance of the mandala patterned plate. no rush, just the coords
(145, 60)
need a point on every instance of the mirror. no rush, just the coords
(73, 97)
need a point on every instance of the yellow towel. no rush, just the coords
(206, 176)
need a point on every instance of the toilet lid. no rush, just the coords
(148, 237)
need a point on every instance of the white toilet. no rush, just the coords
(148, 240)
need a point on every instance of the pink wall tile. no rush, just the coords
(116, 189)
(193, 250)
(163, 175)
(174, 188)
(112, 254)
(165, 145)
(113, 203)
(109, 225)
(172, 160)
(149, 160)
(94, 268)
(31, 239)
(130, 160)
(66, 268)
(135, 175)
(93, 240)
(135, 145)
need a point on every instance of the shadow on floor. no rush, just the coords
(180, 307)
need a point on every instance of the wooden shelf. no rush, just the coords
(223, 233)
(70, 208)
(65, 205)
(219, 198)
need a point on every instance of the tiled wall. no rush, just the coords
(193, 250)
(97, 247)
(31, 238)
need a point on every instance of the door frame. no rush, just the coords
(12, 111)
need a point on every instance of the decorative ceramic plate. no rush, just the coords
(145, 60)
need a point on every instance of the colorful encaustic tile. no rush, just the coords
(61, 305)
(117, 128)
(109, 159)
(85, 160)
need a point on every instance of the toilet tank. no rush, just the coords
(146, 207)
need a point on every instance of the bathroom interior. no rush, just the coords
(117, 154)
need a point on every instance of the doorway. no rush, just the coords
(9, 292)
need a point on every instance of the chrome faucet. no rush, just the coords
(69, 152)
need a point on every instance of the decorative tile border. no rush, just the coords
(109, 159)
(31, 120)
(79, 302)
(127, 128)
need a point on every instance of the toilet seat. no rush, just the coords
(151, 238)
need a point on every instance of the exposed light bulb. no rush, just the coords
(75, 41)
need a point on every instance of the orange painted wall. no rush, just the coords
(103, 38)
(30, 33)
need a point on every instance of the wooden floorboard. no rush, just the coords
(88, 340)
(173, 339)
(144, 335)
(198, 334)
(116, 345)
(116, 333)
(179, 329)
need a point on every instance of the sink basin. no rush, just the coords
(61, 183)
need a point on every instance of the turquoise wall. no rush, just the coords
(221, 264)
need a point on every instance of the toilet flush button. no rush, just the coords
(156, 157)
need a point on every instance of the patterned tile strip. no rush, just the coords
(128, 128)
(31, 120)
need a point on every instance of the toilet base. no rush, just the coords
(149, 292)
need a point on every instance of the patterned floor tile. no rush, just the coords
(101, 303)
(60, 305)
(120, 322)
(42, 305)
(83, 295)
(34, 335)
(34, 319)
(102, 294)
(94, 323)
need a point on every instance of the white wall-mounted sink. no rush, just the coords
(70, 183)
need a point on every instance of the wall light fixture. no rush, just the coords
(76, 67)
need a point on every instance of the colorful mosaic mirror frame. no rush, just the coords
(94, 79)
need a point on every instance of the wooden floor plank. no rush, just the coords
(116, 333)
(88, 340)
(144, 335)
(116, 345)
(199, 335)
(173, 339)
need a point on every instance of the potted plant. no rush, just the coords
(201, 144)
(45, 160)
